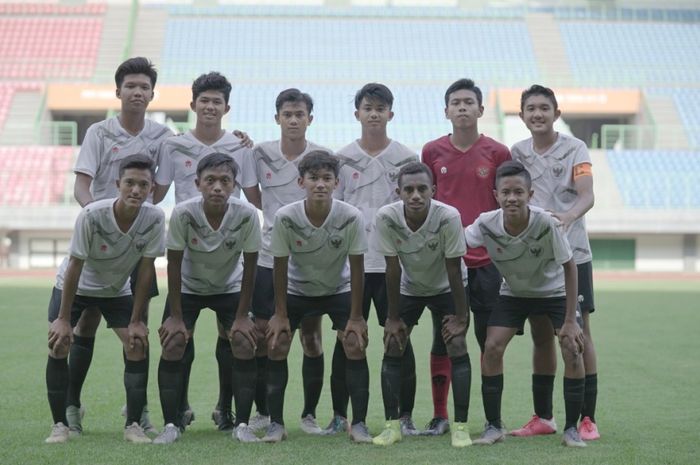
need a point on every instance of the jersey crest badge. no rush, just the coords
(140, 244)
(229, 244)
(535, 250)
(432, 245)
(558, 170)
(482, 171)
(335, 241)
(443, 170)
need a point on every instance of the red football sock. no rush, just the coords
(440, 374)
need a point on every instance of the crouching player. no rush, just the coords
(312, 242)
(206, 237)
(529, 248)
(425, 238)
(111, 237)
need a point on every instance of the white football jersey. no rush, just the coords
(422, 253)
(318, 257)
(180, 155)
(370, 182)
(106, 144)
(531, 262)
(211, 263)
(109, 254)
(278, 185)
(553, 182)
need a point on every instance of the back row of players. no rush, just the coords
(366, 225)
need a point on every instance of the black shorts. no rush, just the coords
(115, 310)
(336, 306)
(224, 305)
(154, 284)
(585, 287)
(511, 312)
(263, 294)
(411, 307)
(375, 291)
(484, 288)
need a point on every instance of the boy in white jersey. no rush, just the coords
(423, 244)
(275, 165)
(106, 144)
(111, 237)
(206, 237)
(369, 168)
(530, 250)
(312, 242)
(563, 183)
(178, 161)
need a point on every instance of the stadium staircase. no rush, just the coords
(666, 115)
(548, 48)
(19, 128)
(149, 35)
(114, 37)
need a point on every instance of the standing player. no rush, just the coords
(111, 237)
(206, 237)
(106, 144)
(532, 253)
(563, 184)
(423, 244)
(307, 233)
(179, 157)
(367, 180)
(464, 166)
(276, 168)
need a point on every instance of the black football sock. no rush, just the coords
(245, 378)
(224, 359)
(261, 386)
(391, 386)
(187, 359)
(56, 387)
(408, 381)
(461, 386)
(357, 379)
(277, 376)
(135, 382)
(339, 390)
(542, 389)
(79, 360)
(491, 391)
(169, 386)
(590, 397)
(573, 400)
(312, 378)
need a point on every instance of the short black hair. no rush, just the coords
(294, 96)
(374, 91)
(216, 160)
(513, 168)
(463, 84)
(317, 160)
(139, 162)
(136, 65)
(211, 81)
(414, 167)
(537, 89)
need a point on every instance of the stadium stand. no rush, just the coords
(34, 175)
(656, 179)
(32, 9)
(688, 105)
(7, 92)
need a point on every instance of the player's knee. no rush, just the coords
(281, 348)
(354, 349)
(241, 347)
(493, 350)
(393, 349)
(311, 343)
(457, 346)
(571, 359)
(175, 348)
(135, 352)
(60, 349)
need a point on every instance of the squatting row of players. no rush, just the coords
(475, 230)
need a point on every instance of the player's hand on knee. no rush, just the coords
(358, 327)
(454, 326)
(138, 335)
(170, 328)
(245, 326)
(394, 330)
(571, 337)
(245, 139)
(60, 332)
(276, 327)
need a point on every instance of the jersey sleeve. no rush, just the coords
(473, 235)
(357, 244)
(560, 244)
(166, 169)
(452, 235)
(252, 241)
(89, 156)
(156, 246)
(247, 173)
(279, 247)
(177, 231)
(82, 234)
(383, 241)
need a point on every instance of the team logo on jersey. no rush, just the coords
(432, 245)
(398, 242)
(558, 170)
(140, 244)
(299, 243)
(115, 149)
(268, 175)
(103, 248)
(355, 175)
(443, 170)
(194, 241)
(229, 243)
(393, 175)
(152, 150)
(499, 250)
(335, 241)
(188, 163)
(535, 250)
(482, 171)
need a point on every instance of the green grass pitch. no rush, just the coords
(648, 348)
